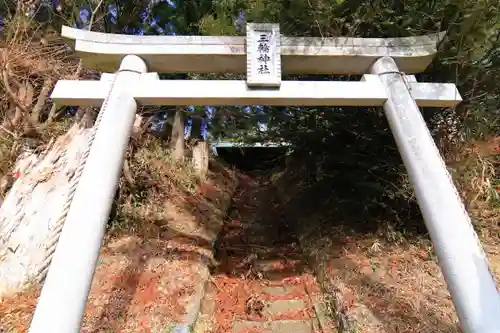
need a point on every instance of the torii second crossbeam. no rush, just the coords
(152, 91)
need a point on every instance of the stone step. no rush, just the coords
(326, 324)
(278, 307)
(278, 269)
(279, 291)
(278, 326)
(270, 265)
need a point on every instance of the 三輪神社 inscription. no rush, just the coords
(263, 55)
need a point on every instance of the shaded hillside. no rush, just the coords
(372, 256)
(157, 250)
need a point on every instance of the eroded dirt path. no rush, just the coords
(262, 283)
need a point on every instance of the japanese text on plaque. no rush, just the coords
(263, 49)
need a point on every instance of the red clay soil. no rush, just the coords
(256, 250)
(147, 278)
(16, 312)
(138, 287)
(139, 292)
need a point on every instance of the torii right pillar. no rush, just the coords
(460, 254)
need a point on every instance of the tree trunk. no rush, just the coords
(200, 148)
(166, 132)
(196, 129)
(85, 117)
(177, 142)
(201, 158)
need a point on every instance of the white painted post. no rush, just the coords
(458, 249)
(64, 295)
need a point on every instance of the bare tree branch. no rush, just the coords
(94, 12)
(8, 89)
(127, 173)
(91, 22)
(42, 99)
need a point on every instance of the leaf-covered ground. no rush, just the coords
(154, 264)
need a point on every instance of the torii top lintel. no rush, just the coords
(225, 54)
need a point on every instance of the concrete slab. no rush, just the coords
(279, 291)
(278, 307)
(279, 326)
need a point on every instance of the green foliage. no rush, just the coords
(345, 161)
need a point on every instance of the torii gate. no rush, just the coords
(263, 54)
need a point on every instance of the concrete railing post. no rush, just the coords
(458, 249)
(64, 295)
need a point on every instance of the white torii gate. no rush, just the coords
(263, 55)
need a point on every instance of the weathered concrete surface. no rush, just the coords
(325, 323)
(368, 92)
(278, 307)
(279, 290)
(30, 211)
(216, 54)
(280, 326)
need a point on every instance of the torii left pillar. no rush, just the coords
(65, 292)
